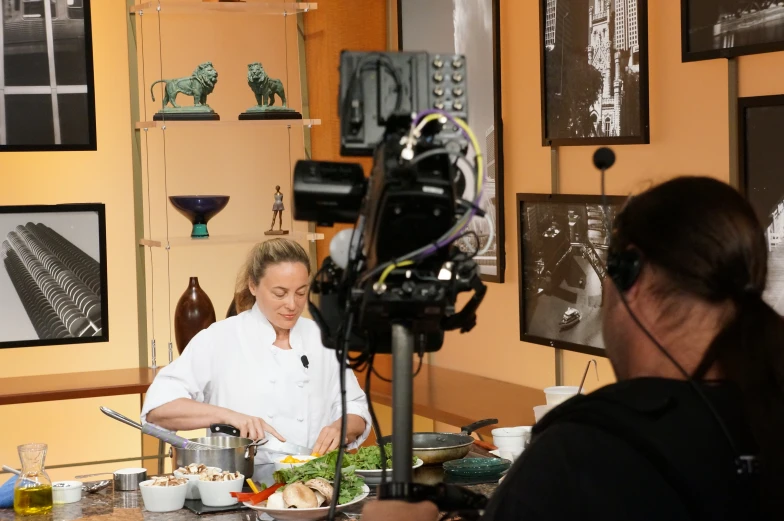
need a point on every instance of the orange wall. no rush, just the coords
(689, 135)
(75, 430)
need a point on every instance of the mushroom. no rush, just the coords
(298, 495)
(322, 486)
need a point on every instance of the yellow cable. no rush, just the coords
(391, 267)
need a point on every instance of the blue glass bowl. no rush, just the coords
(199, 209)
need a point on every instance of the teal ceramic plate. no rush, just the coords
(475, 467)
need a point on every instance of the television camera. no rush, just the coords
(391, 283)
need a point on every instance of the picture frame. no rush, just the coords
(760, 155)
(53, 265)
(483, 59)
(47, 85)
(588, 97)
(562, 243)
(711, 29)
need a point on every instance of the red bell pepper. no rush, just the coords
(265, 494)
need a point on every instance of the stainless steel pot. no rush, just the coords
(229, 453)
(437, 447)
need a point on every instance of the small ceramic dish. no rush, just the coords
(64, 492)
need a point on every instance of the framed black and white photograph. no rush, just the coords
(761, 125)
(47, 92)
(471, 28)
(728, 28)
(53, 275)
(594, 72)
(564, 240)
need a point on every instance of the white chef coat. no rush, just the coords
(234, 364)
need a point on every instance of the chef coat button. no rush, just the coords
(272, 380)
(300, 419)
(301, 384)
(271, 416)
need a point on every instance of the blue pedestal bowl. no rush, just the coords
(199, 209)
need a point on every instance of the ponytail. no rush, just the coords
(750, 353)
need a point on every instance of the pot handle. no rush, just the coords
(224, 428)
(468, 429)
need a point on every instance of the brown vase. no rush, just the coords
(193, 313)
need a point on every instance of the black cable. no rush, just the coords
(374, 421)
(343, 420)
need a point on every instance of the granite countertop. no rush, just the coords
(128, 506)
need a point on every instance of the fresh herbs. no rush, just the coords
(369, 458)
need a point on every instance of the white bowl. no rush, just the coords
(162, 499)
(373, 477)
(560, 393)
(302, 457)
(64, 492)
(218, 493)
(193, 479)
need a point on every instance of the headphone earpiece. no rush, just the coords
(624, 268)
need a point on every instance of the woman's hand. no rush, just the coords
(251, 426)
(329, 439)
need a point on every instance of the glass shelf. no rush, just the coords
(196, 6)
(177, 242)
(228, 123)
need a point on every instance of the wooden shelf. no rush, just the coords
(164, 125)
(252, 7)
(458, 398)
(226, 239)
(70, 386)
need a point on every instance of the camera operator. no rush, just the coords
(699, 359)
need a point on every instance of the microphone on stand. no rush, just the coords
(603, 159)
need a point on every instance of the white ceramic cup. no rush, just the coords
(560, 393)
(541, 410)
(218, 493)
(162, 499)
(511, 438)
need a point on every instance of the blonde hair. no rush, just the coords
(261, 257)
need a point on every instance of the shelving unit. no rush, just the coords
(252, 7)
(245, 159)
(229, 123)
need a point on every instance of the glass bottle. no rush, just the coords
(33, 488)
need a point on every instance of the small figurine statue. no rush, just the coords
(277, 213)
(265, 89)
(199, 85)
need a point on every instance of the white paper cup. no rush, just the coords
(541, 410)
(560, 393)
(511, 438)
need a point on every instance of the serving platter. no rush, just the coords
(306, 514)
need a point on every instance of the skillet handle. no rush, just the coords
(225, 428)
(468, 429)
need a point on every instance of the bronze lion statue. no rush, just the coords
(199, 85)
(264, 87)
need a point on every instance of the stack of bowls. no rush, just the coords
(511, 441)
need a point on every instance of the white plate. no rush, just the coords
(373, 477)
(306, 514)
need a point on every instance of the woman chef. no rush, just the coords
(249, 370)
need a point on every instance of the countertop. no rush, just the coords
(128, 506)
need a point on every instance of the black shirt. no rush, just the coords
(642, 449)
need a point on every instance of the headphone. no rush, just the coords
(624, 267)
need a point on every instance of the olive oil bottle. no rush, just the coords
(33, 489)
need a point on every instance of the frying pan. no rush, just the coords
(437, 447)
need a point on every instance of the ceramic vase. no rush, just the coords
(193, 313)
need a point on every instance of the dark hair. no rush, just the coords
(708, 241)
(262, 256)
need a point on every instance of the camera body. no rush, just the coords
(410, 200)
